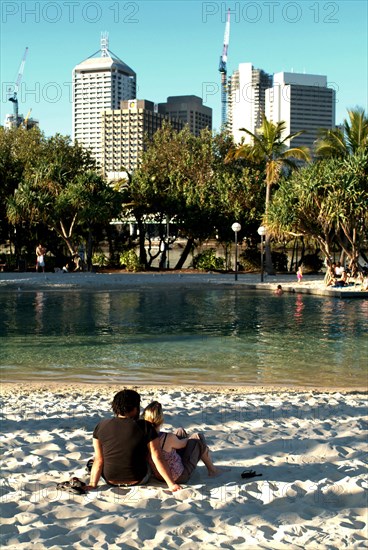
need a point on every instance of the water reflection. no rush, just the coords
(182, 335)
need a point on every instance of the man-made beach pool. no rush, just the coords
(201, 335)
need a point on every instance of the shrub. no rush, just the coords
(250, 259)
(208, 260)
(99, 259)
(279, 261)
(130, 261)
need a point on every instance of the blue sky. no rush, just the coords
(175, 46)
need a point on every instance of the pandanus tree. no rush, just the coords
(326, 202)
(347, 140)
(269, 148)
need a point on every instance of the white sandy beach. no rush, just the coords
(310, 448)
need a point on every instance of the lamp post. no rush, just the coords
(261, 231)
(236, 227)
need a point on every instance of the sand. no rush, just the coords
(310, 448)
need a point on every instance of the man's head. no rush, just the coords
(126, 403)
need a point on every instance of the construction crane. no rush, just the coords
(14, 98)
(223, 71)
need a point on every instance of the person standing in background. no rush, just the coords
(40, 257)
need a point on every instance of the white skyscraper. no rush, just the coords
(304, 102)
(99, 83)
(246, 101)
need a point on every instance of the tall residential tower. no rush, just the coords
(304, 102)
(100, 82)
(247, 100)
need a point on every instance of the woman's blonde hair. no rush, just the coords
(153, 413)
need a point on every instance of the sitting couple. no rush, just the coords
(125, 446)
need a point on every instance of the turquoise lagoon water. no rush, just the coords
(203, 335)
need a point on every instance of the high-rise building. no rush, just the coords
(190, 110)
(304, 102)
(246, 100)
(100, 82)
(124, 132)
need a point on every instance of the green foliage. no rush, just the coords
(326, 201)
(62, 193)
(207, 261)
(279, 261)
(130, 261)
(352, 138)
(250, 259)
(99, 259)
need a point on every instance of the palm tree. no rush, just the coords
(345, 141)
(270, 147)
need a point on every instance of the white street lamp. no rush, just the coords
(261, 231)
(236, 227)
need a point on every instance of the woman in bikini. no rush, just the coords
(182, 453)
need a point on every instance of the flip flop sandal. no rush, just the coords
(74, 486)
(247, 474)
(89, 465)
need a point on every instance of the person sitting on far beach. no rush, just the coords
(122, 445)
(279, 290)
(339, 271)
(342, 281)
(182, 453)
(330, 275)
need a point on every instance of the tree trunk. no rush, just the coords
(89, 250)
(142, 249)
(268, 259)
(185, 253)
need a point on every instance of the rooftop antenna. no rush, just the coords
(223, 71)
(104, 44)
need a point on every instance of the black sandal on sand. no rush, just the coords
(247, 474)
(74, 486)
(89, 465)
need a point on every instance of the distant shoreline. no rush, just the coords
(26, 386)
(311, 284)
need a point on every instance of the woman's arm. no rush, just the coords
(159, 462)
(97, 465)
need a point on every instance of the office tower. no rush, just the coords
(304, 102)
(99, 83)
(246, 100)
(124, 132)
(190, 110)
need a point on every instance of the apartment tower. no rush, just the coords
(246, 100)
(304, 102)
(100, 82)
(124, 134)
